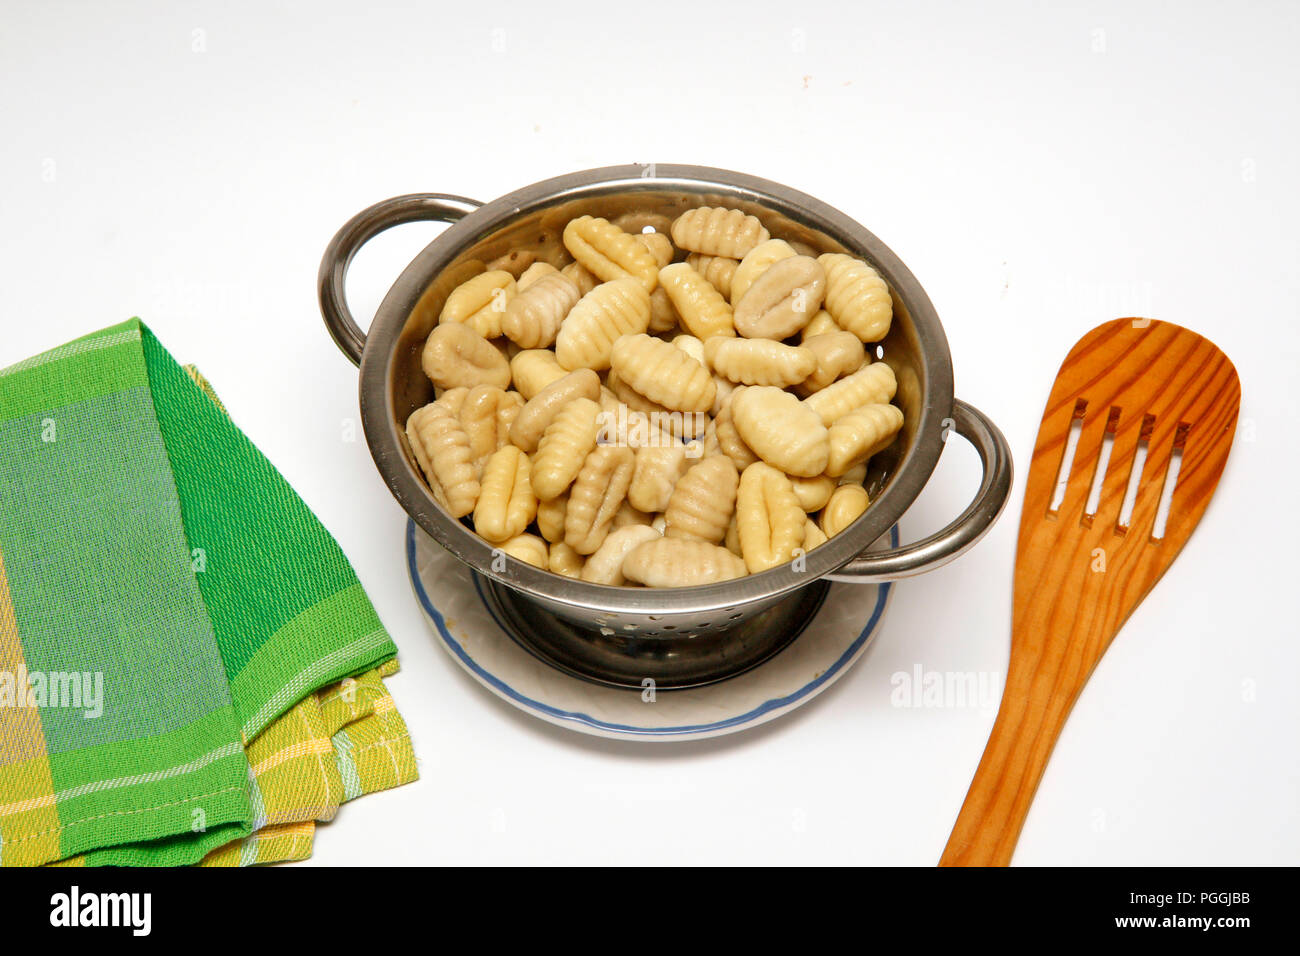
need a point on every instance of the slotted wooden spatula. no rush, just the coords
(1131, 389)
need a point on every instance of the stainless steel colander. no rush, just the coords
(675, 637)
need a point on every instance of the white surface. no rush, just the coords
(1039, 170)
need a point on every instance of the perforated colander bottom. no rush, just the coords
(670, 657)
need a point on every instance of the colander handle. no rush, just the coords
(971, 525)
(356, 232)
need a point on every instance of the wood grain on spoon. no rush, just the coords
(1078, 575)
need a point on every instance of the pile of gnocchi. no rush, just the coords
(627, 418)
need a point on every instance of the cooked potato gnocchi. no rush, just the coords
(480, 302)
(703, 310)
(781, 430)
(681, 562)
(606, 313)
(609, 253)
(760, 361)
(718, 232)
(663, 373)
(782, 300)
(687, 401)
(856, 297)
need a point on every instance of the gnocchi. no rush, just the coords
(857, 297)
(563, 447)
(533, 317)
(781, 430)
(663, 373)
(596, 496)
(835, 354)
(605, 566)
(506, 505)
(533, 369)
(845, 507)
(540, 410)
(443, 452)
(755, 263)
(606, 313)
(782, 300)
(455, 355)
(628, 418)
(480, 302)
(609, 253)
(716, 231)
(681, 562)
(769, 518)
(703, 310)
(873, 385)
(760, 361)
(702, 503)
(857, 436)
(718, 270)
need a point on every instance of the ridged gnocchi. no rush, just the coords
(658, 467)
(857, 436)
(506, 504)
(857, 298)
(480, 302)
(718, 270)
(486, 412)
(716, 231)
(609, 253)
(442, 450)
(632, 419)
(663, 373)
(681, 562)
(781, 430)
(597, 493)
(873, 385)
(611, 310)
(703, 310)
(533, 317)
(540, 410)
(564, 446)
(702, 503)
(760, 361)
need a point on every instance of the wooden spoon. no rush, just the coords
(1132, 384)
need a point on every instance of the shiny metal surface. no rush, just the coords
(962, 532)
(392, 385)
(702, 653)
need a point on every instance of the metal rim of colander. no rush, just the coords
(383, 432)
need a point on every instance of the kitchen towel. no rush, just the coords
(165, 596)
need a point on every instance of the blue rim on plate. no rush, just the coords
(577, 717)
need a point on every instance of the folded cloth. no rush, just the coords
(369, 750)
(164, 597)
(298, 775)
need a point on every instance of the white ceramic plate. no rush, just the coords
(455, 610)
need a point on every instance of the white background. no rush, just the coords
(1040, 170)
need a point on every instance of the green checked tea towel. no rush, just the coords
(164, 596)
